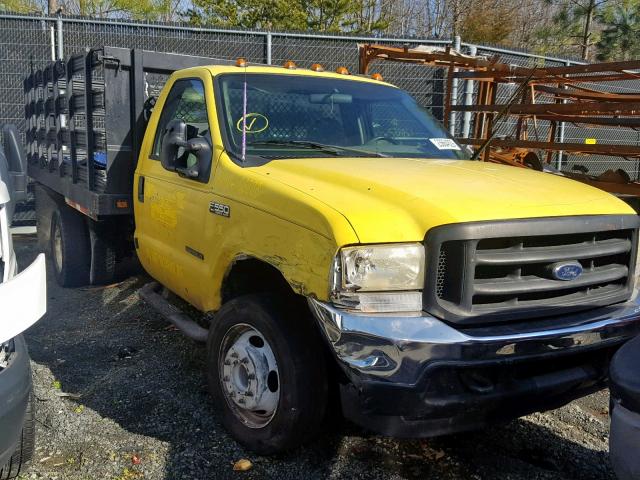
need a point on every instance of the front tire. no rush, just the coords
(24, 453)
(266, 373)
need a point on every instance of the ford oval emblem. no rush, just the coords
(566, 270)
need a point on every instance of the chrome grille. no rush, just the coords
(501, 271)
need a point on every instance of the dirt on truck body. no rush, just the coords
(352, 259)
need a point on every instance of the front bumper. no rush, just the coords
(417, 376)
(23, 299)
(15, 388)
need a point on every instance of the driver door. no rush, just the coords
(170, 208)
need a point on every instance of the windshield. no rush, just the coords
(291, 116)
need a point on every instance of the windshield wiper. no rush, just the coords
(332, 149)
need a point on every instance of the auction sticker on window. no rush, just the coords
(444, 144)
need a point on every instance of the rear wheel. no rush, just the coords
(70, 249)
(103, 254)
(266, 373)
(24, 452)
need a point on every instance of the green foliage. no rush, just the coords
(134, 9)
(267, 14)
(315, 15)
(331, 15)
(560, 36)
(580, 25)
(620, 37)
(20, 6)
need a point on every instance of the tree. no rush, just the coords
(267, 14)
(20, 6)
(421, 18)
(620, 37)
(372, 16)
(364, 16)
(573, 25)
(330, 15)
(489, 21)
(133, 9)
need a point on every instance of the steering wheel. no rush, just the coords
(386, 139)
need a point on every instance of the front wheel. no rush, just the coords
(266, 373)
(26, 447)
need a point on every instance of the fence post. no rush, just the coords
(269, 37)
(454, 89)
(468, 98)
(60, 41)
(561, 139)
(52, 32)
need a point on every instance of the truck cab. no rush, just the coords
(346, 246)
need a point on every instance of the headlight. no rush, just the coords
(380, 278)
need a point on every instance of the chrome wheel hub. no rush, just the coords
(249, 375)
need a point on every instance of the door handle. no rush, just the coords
(141, 189)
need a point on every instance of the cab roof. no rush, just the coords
(278, 70)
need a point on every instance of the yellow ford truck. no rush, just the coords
(353, 258)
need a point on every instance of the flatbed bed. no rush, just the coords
(85, 122)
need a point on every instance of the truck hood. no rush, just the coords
(400, 199)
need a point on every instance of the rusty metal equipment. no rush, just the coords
(577, 94)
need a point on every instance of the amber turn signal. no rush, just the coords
(342, 71)
(289, 64)
(377, 76)
(316, 67)
(241, 62)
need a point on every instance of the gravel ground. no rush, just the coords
(120, 395)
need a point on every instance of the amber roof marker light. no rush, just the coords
(316, 67)
(290, 65)
(241, 62)
(377, 76)
(342, 71)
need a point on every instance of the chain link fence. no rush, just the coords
(28, 42)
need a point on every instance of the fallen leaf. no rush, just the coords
(67, 394)
(432, 453)
(135, 459)
(242, 465)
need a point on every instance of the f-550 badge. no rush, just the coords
(220, 209)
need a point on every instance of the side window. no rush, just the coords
(185, 102)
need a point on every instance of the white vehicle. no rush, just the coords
(22, 302)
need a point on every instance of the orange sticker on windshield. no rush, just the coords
(255, 123)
